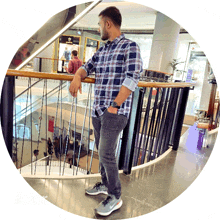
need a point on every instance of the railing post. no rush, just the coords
(128, 139)
(7, 107)
(180, 117)
(40, 64)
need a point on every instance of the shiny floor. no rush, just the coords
(143, 191)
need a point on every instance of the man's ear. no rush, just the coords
(108, 23)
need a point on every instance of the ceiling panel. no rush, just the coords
(134, 16)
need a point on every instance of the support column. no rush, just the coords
(165, 44)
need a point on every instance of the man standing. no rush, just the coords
(117, 67)
(74, 64)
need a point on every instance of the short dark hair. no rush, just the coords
(112, 13)
(36, 151)
(74, 53)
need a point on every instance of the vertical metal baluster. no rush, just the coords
(145, 143)
(25, 121)
(39, 128)
(31, 129)
(158, 122)
(74, 144)
(170, 119)
(90, 167)
(55, 124)
(87, 163)
(83, 128)
(61, 135)
(16, 146)
(167, 120)
(144, 126)
(149, 131)
(68, 134)
(46, 128)
(118, 148)
(139, 117)
(160, 134)
(177, 110)
(146, 122)
(153, 128)
(184, 93)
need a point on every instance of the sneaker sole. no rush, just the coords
(118, 206)
(97, 193)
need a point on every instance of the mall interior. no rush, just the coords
(172, 128)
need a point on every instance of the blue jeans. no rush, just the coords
(107, 129)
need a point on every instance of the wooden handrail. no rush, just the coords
(41, 75)
(204, 125)
(164, 84)
(67, 77)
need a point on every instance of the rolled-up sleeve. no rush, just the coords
(89, 66)
(133, 66)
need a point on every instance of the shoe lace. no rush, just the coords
(106, 201)
(97, 185)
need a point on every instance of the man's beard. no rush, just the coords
(104, 35)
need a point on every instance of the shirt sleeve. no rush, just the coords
(133, 66)
(89, 67)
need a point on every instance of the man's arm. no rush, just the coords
(80, 74)
(76, 82)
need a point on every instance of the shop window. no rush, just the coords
(67, 43)
(91, 46)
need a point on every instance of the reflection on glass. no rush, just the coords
(66, 45)
(90, 48)
(145, 42)
(197, 62)
(47, 32)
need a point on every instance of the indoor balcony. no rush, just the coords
(154, 152)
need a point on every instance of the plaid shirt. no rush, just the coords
(115, 64)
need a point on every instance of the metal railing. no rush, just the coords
(154, 126)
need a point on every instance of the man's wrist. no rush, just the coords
(78, 76)
(115, 105)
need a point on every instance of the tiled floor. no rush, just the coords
(143, 191)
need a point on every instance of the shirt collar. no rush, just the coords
(116, 40)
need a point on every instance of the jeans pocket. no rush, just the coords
(110, 112)
(113, 121)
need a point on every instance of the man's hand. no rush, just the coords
(76, 82)
(75, 86)
(112, 110)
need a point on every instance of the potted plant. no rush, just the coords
(174, 65)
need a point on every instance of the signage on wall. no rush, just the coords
(51, 124)
(189, 75)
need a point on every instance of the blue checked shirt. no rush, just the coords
(115, 64)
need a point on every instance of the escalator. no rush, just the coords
(39, 41)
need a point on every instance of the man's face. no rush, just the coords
(102, 29)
